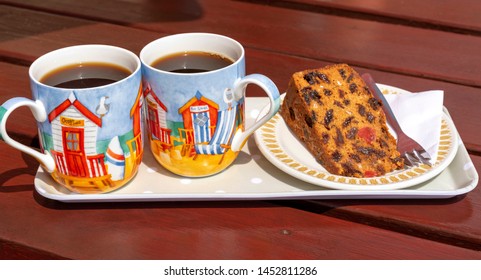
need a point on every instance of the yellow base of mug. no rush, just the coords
(185, 162)
(97, 185)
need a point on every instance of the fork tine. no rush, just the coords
(414, 157)
(411, 151)
(409, 161)
(423, 156)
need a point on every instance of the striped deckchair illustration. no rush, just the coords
(201, 127)
(222, 137)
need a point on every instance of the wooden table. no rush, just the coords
(415, 45)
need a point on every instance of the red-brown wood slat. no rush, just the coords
(26, 34)
(384, 46)
(454, 220)
(22, 41)
(13, 251)
(208, 230)
(449, 15)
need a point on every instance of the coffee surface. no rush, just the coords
(85, 75)
(191, 62)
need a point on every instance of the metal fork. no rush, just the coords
(411, 151)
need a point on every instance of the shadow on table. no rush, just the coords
(91, 22)
(30, 169)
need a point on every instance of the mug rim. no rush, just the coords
(144, 50)
(51, 55)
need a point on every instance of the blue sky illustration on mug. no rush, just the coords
(174, 90)
(112, 103)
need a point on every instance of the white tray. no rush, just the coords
(253, 177)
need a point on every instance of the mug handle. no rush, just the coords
(40, 114)
(240, 137)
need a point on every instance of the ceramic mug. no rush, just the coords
(90, 134)
(195, 121)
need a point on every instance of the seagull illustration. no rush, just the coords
(228, 96)
(102, 108)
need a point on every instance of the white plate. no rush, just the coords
(283, 149)
(253, 177)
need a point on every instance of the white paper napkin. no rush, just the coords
(419, 115)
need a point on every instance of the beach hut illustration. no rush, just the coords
(157, 119)
(136, 145)
(74, 133)
(199, 115)
(224, 130)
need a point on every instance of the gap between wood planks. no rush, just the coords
(403, 227)
(342, 12)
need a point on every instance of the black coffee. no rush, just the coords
(191, 62)
(85, 75)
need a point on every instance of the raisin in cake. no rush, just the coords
(332, 111)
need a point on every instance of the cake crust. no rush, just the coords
(340, 122)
